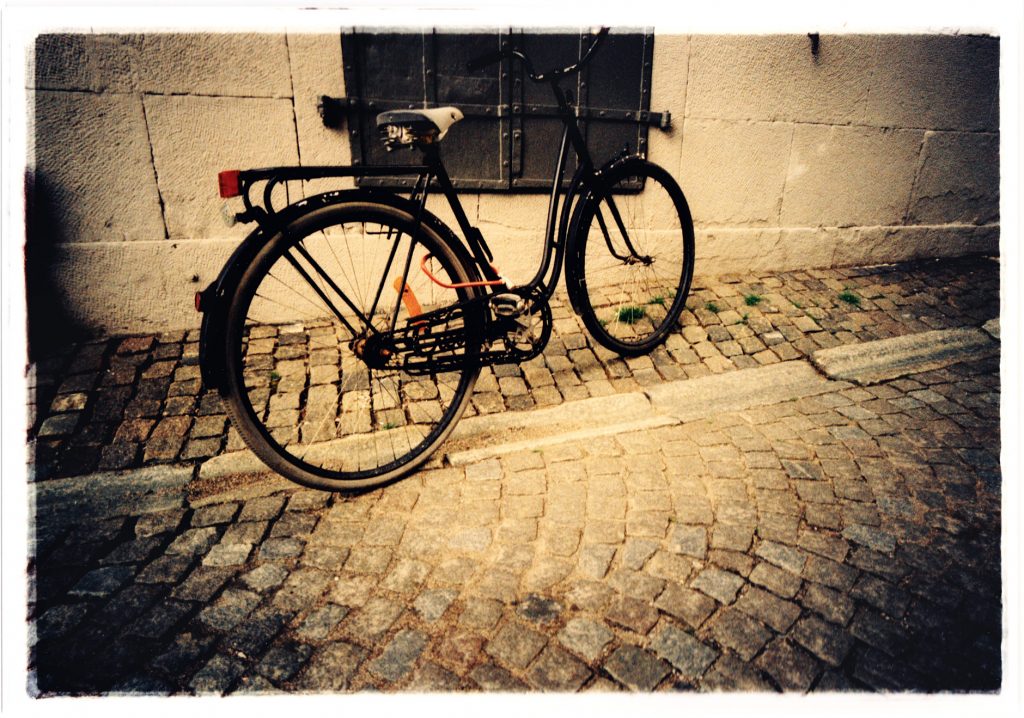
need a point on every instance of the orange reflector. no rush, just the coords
(412, 304)
(229, 185)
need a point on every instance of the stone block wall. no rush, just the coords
(879, 148)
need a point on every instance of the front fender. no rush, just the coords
(590, 185)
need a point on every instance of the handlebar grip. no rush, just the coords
(487, 59)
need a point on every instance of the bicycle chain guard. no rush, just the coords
(519, 321)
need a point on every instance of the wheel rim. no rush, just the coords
(304, 391)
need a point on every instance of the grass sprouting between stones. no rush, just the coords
(752, 300)
(849, 297)
(631, 315)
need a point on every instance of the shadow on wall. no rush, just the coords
(51, 325)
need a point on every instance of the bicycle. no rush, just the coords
(346, 332)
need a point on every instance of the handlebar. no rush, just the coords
(492, 57)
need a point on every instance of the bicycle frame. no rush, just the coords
(544, 280)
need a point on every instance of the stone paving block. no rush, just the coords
(878, 632)
(57, 621)
(319, 624)
(432, 678)
(829, 573)
(261, 509)
(279, 549)
(492, 678)
(217, 675)
(538, 609)
(871, 537)
(132, 551)
(282, 662)
(432, 603)
(586, 638)
(636, 584)
(691, 606)
(689, 540)
(399, 655)
(686, 654)
(826, 641)
(769, 609)
(293, 524)
(102, 582)
(160, 619)
(632, 614)
(556, 670)
(165, 569)
(636, 669)
(734, 630)
(778, 581)
(202, 583)
(881, 595)
(302, 589)
(373, 619)
(516, 645)
(332, 667)
(720, 585)
(229, 610)
(792, 668)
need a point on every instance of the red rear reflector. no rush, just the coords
(228, 180)
(199, 301)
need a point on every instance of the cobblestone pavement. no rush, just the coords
(849, 541)
(128, 402)
(844, 542)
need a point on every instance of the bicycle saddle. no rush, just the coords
(405, 127)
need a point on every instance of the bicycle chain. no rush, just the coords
(426, 344)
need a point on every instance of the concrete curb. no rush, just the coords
(109, 494)
(682, 401)
(689, 400)
(462, 458)
(885, 359)
(668, 404)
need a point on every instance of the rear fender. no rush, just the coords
(216, 298)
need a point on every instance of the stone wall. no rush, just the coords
(879, 148)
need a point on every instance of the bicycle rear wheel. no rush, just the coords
(630, 258)
(315, 387)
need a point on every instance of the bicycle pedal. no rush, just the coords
(508, 305)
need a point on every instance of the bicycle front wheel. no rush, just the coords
(630, 259)
(316, 385)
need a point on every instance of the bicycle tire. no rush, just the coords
(630, 294)
(297, 389)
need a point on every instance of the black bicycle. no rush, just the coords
(347, 331)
